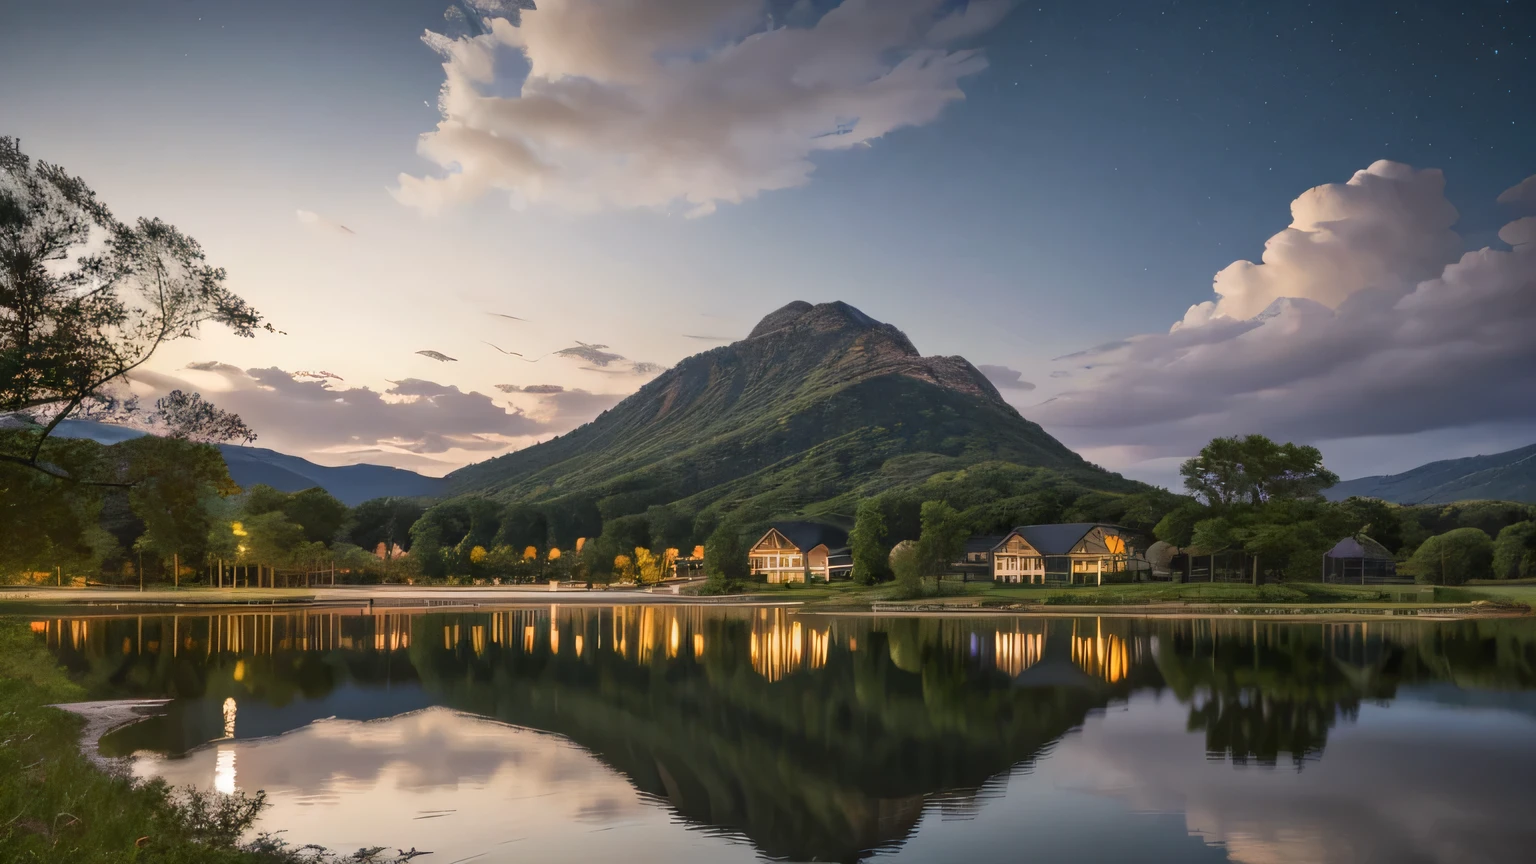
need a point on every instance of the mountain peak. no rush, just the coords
(822, 318)
(807, 408)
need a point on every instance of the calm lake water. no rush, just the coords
(698, 734)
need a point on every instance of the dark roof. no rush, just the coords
(1058, 539)
(1360, 546)
(983, 543)
(808, 535)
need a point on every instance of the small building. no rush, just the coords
(799, 551)
(1070, 553)
(1359, 560)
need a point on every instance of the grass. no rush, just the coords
(1140, 594)
(56, 806)
(1517, 593)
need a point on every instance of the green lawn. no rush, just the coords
(847, 595)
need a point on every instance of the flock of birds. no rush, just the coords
(593, 353)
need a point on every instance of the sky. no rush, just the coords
(1063, 193)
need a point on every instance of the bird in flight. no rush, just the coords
(512, 317)
(438, 356)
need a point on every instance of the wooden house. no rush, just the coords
(1072, 553)
(799, 551)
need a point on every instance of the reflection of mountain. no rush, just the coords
(814, 737)
(808, 737)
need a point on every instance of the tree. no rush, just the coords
(725, 555)
(943, 537)
(48, 522)
(1376, 519)
(907, 567)
(174, 480)
(184, 415)
(1454, 557)
(624, 568)
(320, 514)
(1514, 552)
(669, 526)
(522, 525)
(1178, 526)
(384, 520)
(270, 540)
(1254, 470)
(78, 315)
(871, 556)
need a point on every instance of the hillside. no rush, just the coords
(816, 405)
(1509, 476)
(351, 484)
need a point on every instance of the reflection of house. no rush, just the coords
(1077, 552)
(1359, 560)
(795, 551)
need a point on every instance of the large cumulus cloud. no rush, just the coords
(1364, 318)
(648, 103)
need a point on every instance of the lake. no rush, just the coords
(713, 734)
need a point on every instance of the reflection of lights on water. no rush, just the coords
(1015, 652)
(579, 640)
(1107, 657)
(239, 670)
(229, 717)
(777, 650)
(224, 771)
(528, 639)
(698, 645)
(675, 639)
(554, 639)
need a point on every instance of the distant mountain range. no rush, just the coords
(1507, 476)
(351, 484)
(818, 405)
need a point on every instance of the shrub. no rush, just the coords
(1453, 557)
(1514, 552)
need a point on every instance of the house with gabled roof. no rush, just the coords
(1069, 553)
(800, 551)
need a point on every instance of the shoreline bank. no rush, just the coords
(384, 599)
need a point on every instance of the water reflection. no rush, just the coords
(838, 738)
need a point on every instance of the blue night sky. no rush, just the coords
(1106, 161)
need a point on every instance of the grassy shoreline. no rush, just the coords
(57, 804)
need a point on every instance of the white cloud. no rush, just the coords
(1371, 323)
(1388, 227)
(652, 103)
(1521, 194)
(413, 417)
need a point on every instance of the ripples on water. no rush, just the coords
(702, 734)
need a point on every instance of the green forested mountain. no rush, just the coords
(1509, 476)
(817, 406)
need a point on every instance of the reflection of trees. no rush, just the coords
(1259, 690)
(814, 737)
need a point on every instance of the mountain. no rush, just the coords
(817, 404)
(351, 484)
(1507, 476)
